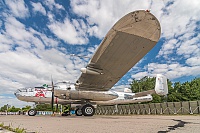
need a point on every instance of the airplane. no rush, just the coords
(125, 44)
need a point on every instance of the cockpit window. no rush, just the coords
(23, 90)
(30, 89)
(39, 88)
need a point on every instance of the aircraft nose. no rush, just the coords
(17, 93)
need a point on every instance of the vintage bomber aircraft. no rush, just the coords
(125, 44)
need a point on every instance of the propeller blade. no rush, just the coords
(52, 97)
(57, 107)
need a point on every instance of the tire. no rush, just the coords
(78, 112)
(88, 110)
(32, 112)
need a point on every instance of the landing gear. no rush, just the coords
(86, 110)
(78, 112)
(32, 112)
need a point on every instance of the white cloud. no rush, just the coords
(177, 20)
(171, 71)
(101, 15)
(13, 101)
(182, 44)
(16, 33)
(1, 23)
(139, 75)
(8, 85)
(30, 64)
(39, 69)
(168, 48)
(37, 7)
(4, 47)
(120, 88)
(52, 4)
(193, 61)
(18, 8)
(70, 32)
(92, 49)
(24, 67)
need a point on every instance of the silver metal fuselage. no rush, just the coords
(67, 94)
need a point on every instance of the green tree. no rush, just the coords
(4, 108)
(43, 107)
(156, 98)
(26, 108)
(143, 84)
(187, 91)
(13, 109)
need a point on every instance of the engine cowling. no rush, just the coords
(89, 71)
(89, 95)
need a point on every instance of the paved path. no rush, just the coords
(106, 124)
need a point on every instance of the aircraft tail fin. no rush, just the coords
(161, 87)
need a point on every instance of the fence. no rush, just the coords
(189, 107)
(25, 113)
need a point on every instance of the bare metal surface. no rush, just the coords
(130, 39)
(106, 124)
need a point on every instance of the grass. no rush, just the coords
(10, 128)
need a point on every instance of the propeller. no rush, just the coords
(52, 97)
(56, 104)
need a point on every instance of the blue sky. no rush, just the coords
(37, 38)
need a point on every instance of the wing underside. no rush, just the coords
(125, 44)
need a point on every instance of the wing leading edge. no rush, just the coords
(125, 44)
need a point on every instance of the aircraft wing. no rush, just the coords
(125, 44)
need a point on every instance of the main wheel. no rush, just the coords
(78, 112)
(32, 112)
(88, 110)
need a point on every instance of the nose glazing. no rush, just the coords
(17, 92)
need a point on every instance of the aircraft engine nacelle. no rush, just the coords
(161, 86)
(88, 71)
(62, 94)
(89, 95)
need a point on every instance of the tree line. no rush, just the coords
(14, 109)
(187, 91)
(39, 107)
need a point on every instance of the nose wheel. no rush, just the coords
(78, 112)
(32, 112)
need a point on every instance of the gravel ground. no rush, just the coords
(105, 124)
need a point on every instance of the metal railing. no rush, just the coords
(188, 107)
